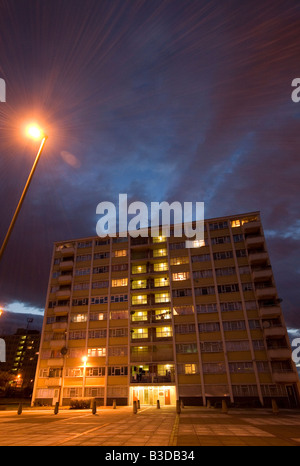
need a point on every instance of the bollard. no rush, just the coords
(158, 404)
(94, 407)
(208, 404)
(20, 409)
(275, 407)
(134, 407)
(178, 408)
(138, 404)
(114, 404)
(56, 408)
(224, 407)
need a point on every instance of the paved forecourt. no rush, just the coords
(150, 427)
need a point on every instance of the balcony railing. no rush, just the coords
(138, 378)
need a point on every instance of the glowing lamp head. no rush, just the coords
(34, 132)
(84, 359)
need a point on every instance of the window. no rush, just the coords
(81, 286)
(138, 284)
(101, 255)
(139, 299)
(183, 310)
(159, 239)
(82, 272)
(139, 333)
(182, 292)
(118, 332)
(98, 316)
(206, 308)
(218, 225)
(139, 316)
(201, 258)
(74, 372)
(162, 314)
(206, 327)
(211, 346)
(174, 246)
(244, 270)
(86, 257)
(225, 271)
(99, 300)
(162, 297)
(234, 325)
(221, 240)
(80, 302)
(242, 367)
(206, 290)
(223, 255)
(119, 315)
(185, 328)
(119, 282)
(118, 351)
(77, 335)
(179, 260)
(233, 306)
(102, 284)
(186, 348)
(103, 269)
(118, 370)
(190, 369)
(241, 253)
(234, 288)
(139, 269)
(164, 332)
(247, 286)
(238, 238)
(159, 252)
(97, 333)
(160, 267)
(236, 345)
(97, 352)
(84, 244)
(78, 317)
(95, 372)
(102, 242)
(180, 276)
(119, 298)
(235, 223)
(214, 368)
(120, 253)
(119, 267)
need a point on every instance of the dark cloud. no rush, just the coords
(163, 100)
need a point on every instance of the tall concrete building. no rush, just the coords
(149, 319)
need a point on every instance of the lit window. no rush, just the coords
(162, 281)
(138, 333)
(139, 269)
(190, 368)
(119, 282)
(160, 267)
(179, 276)
(198, 243)
(164, 332)
(162, 298)
(159, 239)
(179, 260)
(138, 284)
(139, 299)
(121, 253)
(235, 223)
(159, 252)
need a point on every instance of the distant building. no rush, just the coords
(148, 319)
(21, 358)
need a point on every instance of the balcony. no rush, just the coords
(254, 241)
(270, 311)
(61, 310)
(262, 274)
(54, 382)
(276, 331)
(251, 227)
(265, 293)
(55, 362)
(59, 326)
(57, 344)
(70, 251)
(258, 258)
(65, 279)
(63, 294)
(66, 265)
(152, 379)
(279, 353)
(285, 377)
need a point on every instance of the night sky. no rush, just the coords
(177, 100)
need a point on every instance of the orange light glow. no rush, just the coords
(34, 132)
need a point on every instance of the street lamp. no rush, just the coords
(34, 132)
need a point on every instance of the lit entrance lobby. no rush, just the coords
(153, 382)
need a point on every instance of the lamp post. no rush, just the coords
(34, 133)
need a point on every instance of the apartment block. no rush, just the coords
(149, 319)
